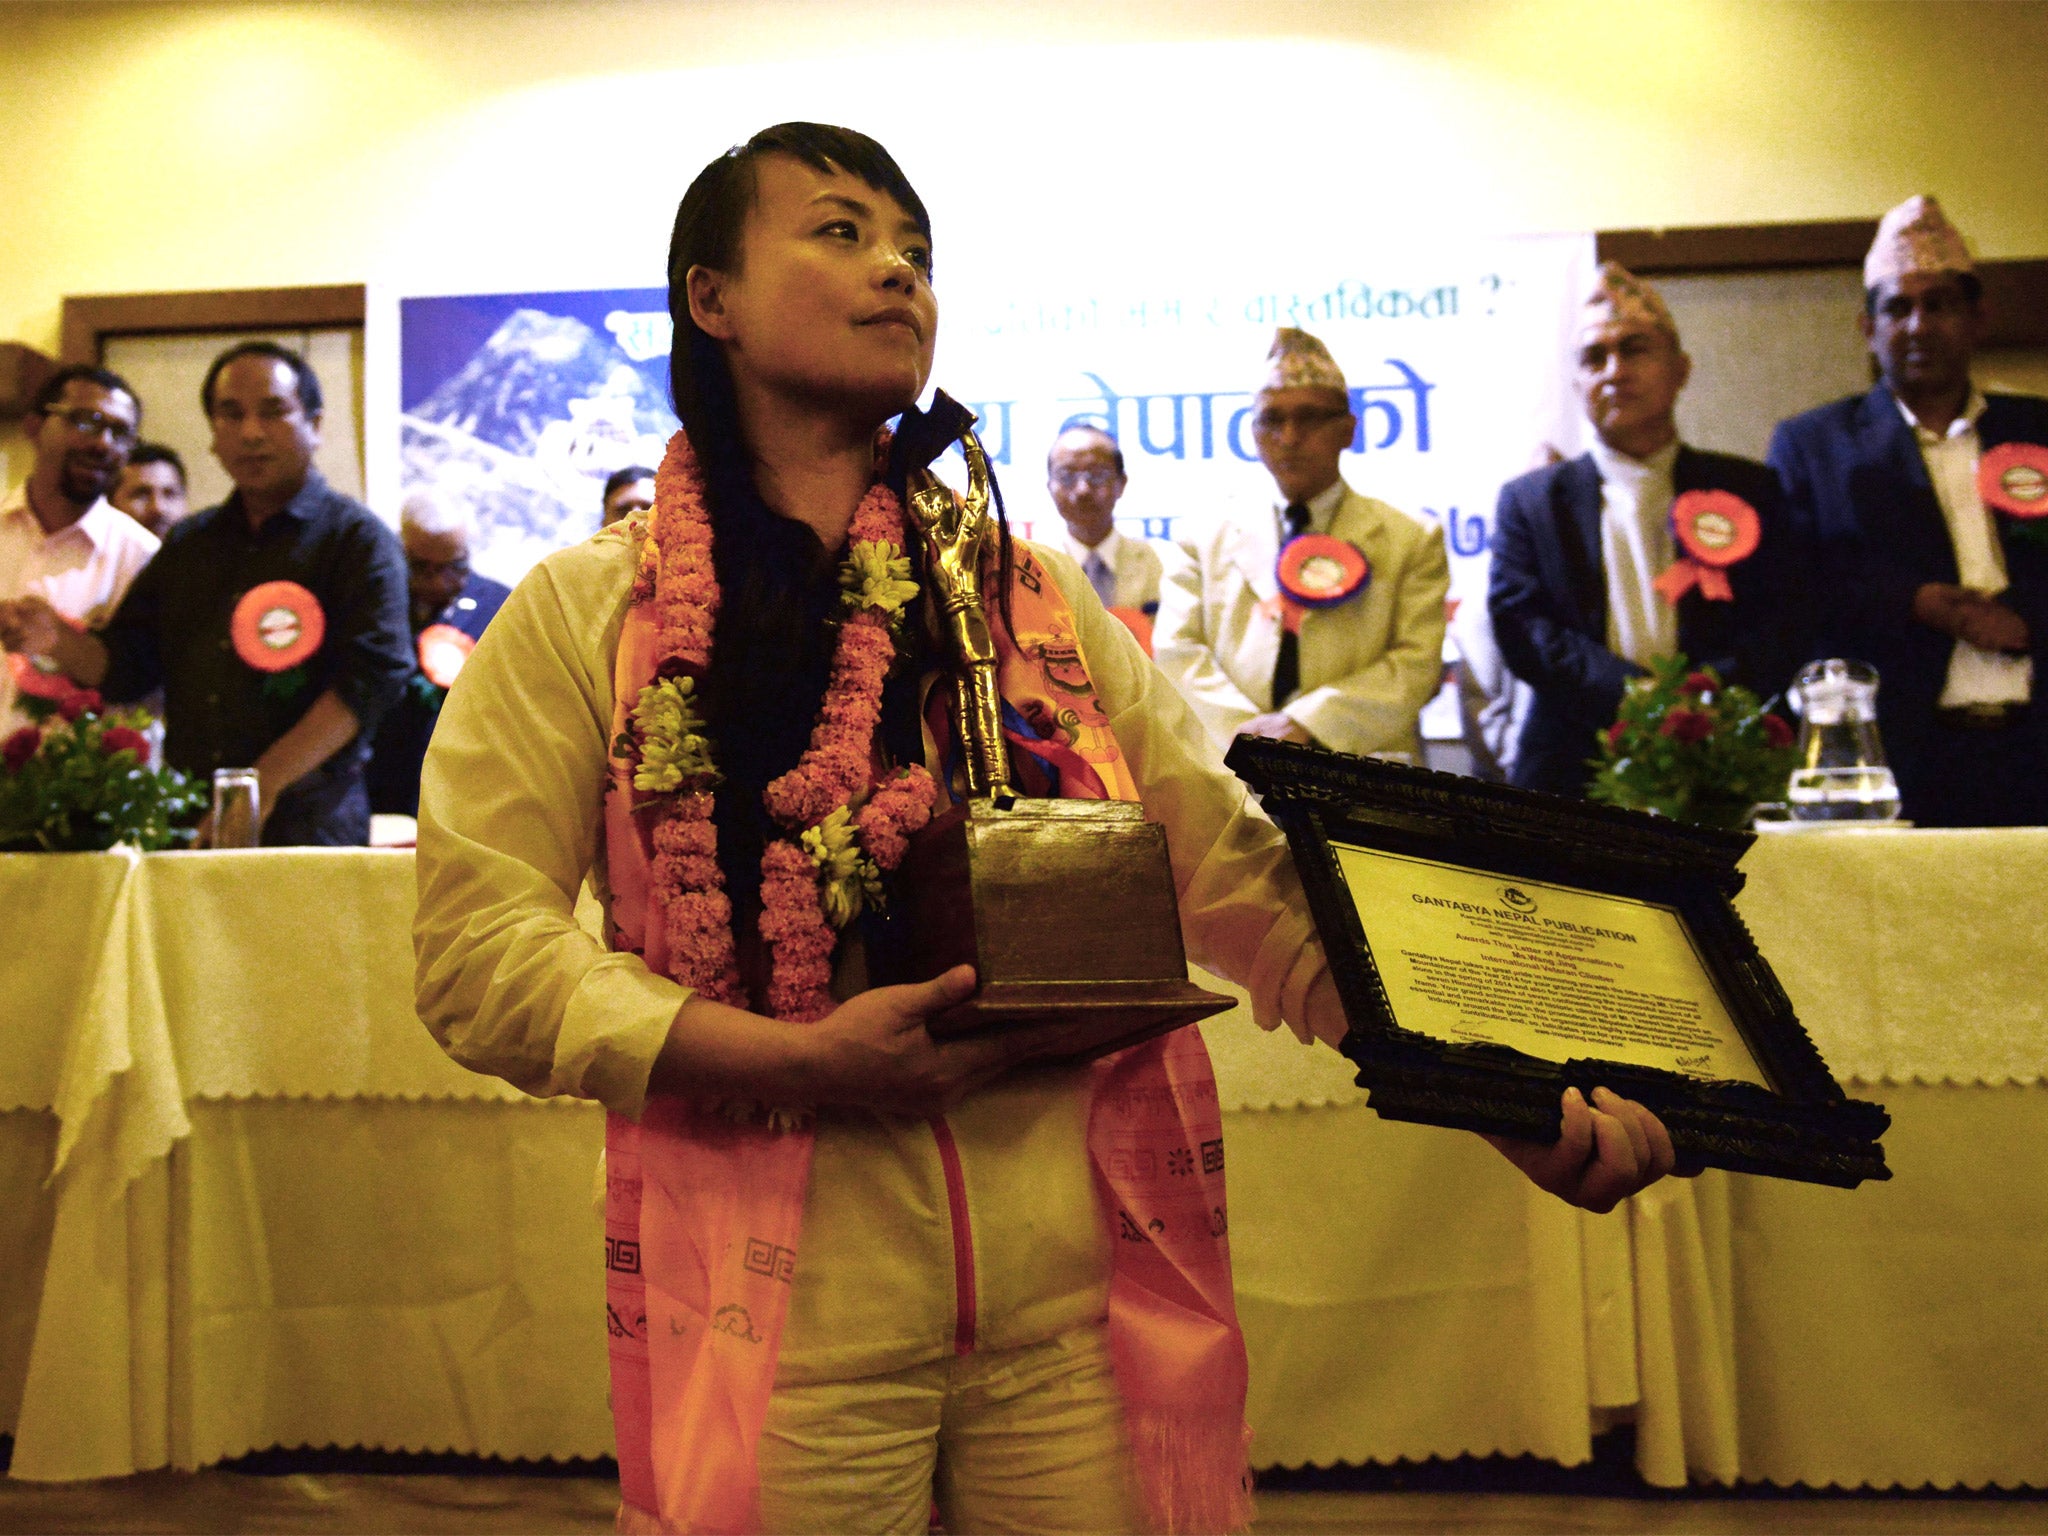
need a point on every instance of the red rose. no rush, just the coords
(83, 702)
(1701, 682)
(1777, 732)
(1614, 733)
(21, 746)
(1687, 725)
(123, 738)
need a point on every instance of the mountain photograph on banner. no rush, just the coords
(518, 406)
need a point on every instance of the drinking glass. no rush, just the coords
(235, 792)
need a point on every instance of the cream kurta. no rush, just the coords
(510, 825)
(1367, 666)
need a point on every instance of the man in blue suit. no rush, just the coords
(1923, 573)
(1587, 554)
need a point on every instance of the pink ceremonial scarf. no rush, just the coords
(703, 1214)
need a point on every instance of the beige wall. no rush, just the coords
(511, 144)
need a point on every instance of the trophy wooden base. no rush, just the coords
(1066, 910)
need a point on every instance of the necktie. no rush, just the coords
(1287, 667)
(1100, 577)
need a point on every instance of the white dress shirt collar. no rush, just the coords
(92, 526)
(1109, 548)
(1614, 465)
(1967, 422)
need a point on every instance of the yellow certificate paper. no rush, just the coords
(1550, 971)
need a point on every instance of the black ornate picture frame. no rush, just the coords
(1802, 1126)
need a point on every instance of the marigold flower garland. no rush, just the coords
(818, 878)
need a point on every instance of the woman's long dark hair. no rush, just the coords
(772, 649)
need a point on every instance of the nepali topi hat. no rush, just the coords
(1916, 236)
(1618, 297)
(1298, 361)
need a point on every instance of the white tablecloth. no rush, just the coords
(280, 1216)
(141, 988)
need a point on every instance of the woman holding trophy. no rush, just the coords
(854, 1268)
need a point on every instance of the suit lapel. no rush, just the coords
(1885, 441)
(1355, 522)
(1705, 628)
(1255, 550)
(1888, 441)
(1575, 500)
(2004, 421)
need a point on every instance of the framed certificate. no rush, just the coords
(1493, 946)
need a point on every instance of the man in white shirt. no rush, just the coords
(1581, 546)
(1922, 501)
(60, 538)
(1341, 642)
(1085, 474)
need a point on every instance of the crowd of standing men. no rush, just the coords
(1315, 614)
(96, 594)
(1901, 527)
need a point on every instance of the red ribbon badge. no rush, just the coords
(40, 678)
(443, 650)
(1316, 570)
(1717, 529)
(277, 625)
(2013, 477)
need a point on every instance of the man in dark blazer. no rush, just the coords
(1922, 574)
(1579, 548)
(441, 590)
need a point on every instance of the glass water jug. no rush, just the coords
(1842, 775)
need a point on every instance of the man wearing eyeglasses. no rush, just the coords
(1341, 648)
(450, 604)
(274, 623)
(61, 542)
(1084, 472)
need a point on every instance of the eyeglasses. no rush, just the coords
(428, 569)
(1084, 479)
(1273, 423)
(90, 423)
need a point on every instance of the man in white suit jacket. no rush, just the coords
(1352, 676)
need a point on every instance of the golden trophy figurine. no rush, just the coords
(1066, 908)
(955, 531)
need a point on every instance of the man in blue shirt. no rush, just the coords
(1924, 570)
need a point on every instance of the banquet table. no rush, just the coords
(249, 1203)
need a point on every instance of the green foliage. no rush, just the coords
(77, 781)
(1687, 747)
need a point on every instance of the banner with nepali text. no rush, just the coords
(520, 404)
